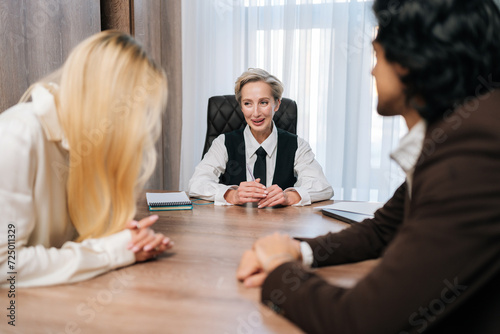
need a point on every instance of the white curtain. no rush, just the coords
(321, 50)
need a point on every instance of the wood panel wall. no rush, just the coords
(37, 36)
(157, 25)
(171, 44)
(147, 30)
(117, 14)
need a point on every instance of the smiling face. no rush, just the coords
(258, 106)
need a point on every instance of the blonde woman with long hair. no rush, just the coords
(74, 159)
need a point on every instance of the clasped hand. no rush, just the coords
(266, 254)
(145, 243)
(254, 191)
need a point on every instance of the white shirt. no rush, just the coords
(33, 178)
(311, 184)
(406, 155)
(409, 149)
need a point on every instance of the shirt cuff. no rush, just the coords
(219, 196)
(305, 199)
(307, 254)
(115, 246)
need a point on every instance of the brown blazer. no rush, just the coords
(440, 266)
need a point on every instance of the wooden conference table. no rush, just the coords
(191, 289)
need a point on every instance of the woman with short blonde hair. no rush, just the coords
(256, 75)
(260, 163)
(76, 157)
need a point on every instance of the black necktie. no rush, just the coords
(259, 169)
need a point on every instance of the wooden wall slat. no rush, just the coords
(171, 46)
(13, 74)
(147, 31)
(157, 25)
(39, 37)
(116, 14)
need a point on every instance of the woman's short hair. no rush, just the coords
(451, 49)
(255, 75)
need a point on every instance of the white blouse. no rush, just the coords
(33, 174)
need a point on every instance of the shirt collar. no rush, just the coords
(45, 108)
(410, 147)
(252, 145)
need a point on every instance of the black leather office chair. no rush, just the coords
(224, 115)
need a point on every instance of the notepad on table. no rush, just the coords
(351, 212)
(168, 201)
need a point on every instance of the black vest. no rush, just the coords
(236, 163)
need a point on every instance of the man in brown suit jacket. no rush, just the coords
(439, 235)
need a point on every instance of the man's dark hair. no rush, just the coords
(450, 47)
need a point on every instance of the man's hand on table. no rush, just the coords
(266, 254)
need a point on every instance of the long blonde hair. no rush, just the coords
(109, 104)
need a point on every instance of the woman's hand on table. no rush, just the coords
(276, 196)
(247, 192)
(254, 191)
(147, 244)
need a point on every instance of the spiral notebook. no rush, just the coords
(168, 201)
